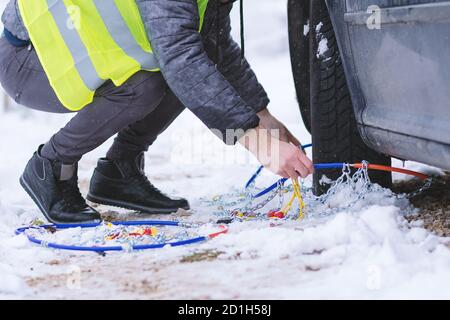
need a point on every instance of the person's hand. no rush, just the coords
(276, 128)
(293, 162)
(280, 157)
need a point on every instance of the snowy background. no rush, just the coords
(370, 253)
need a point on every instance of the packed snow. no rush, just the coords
(370, 251)
(322, 47)
(306, 29)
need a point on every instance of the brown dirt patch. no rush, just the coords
(433, 204)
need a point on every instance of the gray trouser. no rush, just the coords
(138, 111)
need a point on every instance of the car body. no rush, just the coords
(395, 55)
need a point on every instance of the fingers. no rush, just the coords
(294, 165)
(293, 174)
(302, 171)
(309, 165)
(305, 161)
(291, 162)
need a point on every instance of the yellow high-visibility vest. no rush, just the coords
(83, 43)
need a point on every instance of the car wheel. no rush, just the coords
(298, 24)
(335, 134)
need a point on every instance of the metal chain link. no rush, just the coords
(421, 190)
(359, 183)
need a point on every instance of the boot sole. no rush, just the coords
(33, 196)
(130, 206)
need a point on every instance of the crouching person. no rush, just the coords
(129, 68)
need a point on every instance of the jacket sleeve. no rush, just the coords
(237, 70)
(172, 27)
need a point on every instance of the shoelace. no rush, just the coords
(71, 194)
(141, 179)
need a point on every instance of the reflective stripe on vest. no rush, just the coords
(83, 43)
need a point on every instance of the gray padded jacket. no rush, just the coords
(205, 71)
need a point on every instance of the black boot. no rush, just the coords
(53, 186)
(122, 183)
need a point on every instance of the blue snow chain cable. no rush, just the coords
(103, 249)
(319, 166)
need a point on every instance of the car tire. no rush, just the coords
(333, 126)
(298, 25)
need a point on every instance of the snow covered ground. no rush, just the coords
(369, 253)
